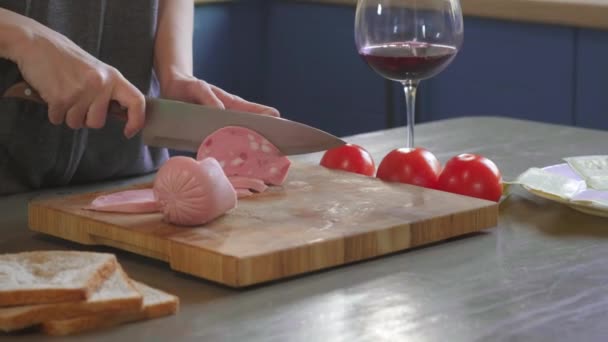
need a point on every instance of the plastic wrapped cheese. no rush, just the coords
(550, 183)
(591, 196)
(594, 169)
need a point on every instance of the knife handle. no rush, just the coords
(24, 91)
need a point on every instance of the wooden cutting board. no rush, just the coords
(316, 220)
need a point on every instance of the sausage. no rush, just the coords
(130, 201)
(242, 193)
(243, 152)
(191, 192)
(239, 182)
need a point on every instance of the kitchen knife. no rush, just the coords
(183, 126)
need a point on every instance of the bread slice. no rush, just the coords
(52, 276)
(117, 294)
(156, 304)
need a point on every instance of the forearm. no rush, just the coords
(173, 45)
(15, 31)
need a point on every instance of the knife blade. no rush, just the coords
(184, 126)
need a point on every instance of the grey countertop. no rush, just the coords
(541, 275)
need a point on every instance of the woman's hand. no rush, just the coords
(193, 90)
(76, 86)
(173, 63)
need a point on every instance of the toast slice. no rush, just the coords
(117, 295)
(52, 276)
(156, 304)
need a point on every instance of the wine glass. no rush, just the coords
(408, 41)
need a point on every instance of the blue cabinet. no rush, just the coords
(229, 46)
(592, 79)
(314, 73)
(211, 44)
(298, 58)
(510, 69)
(301, 58)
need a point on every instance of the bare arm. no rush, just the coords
(173, 46)
(76, 86)
(173, 54)
(173, 62)
(14, 29)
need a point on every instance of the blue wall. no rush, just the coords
(301, 59)
(229, 46)
(592, 79)
(508, 69)
(315, 74)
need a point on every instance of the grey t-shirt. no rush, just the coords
(36, 154)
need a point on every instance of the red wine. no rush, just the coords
(407, 60)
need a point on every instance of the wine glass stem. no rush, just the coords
(409, 87)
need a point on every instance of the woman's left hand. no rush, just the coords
(191, 89)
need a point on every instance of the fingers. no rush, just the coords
(236, 103)
(131, 98)
(75, 117)
(57, 113)
(98, 111)
(202, 93)
(89, 113)
(67, 109)
(92, 109)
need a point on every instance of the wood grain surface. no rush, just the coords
(318, 219)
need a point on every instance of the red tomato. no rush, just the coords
(351, 158)
(415, 166)
(472, 175)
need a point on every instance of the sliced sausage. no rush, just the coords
(242, 193)
(239, 182)
(243, 152)
(192, 192)
(130, 201)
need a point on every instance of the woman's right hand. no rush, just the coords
(76, 86)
